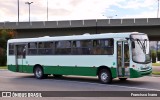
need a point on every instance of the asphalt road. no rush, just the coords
(10, 81)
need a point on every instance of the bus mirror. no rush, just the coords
(133, 44)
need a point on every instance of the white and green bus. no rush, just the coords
(107, 55)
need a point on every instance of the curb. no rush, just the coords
(3, 69)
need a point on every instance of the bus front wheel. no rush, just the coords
(105, 76)
(38, 73)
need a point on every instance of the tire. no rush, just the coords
(38, 73)
(105, 76)
(122, 79)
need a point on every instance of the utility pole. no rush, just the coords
(47, 10)
(29, 3)
(18, 9)
(157, 17)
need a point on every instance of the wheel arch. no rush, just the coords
(37, 65)
(103, 67)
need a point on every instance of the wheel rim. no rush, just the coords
(104, 77)
(38, 72)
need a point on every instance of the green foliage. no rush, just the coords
(3, 67)
(155, 64)
(154, 55)
(5, 34)
(156, 73)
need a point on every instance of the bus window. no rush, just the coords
(32, 48)
(63, 47)
(108, 46)
(40, 45)
(103, 47)
(24, 52)
(41, 50)
(86, 46)
(11, 49)
(21, 51)
(45, 48)
(76, 48)
(96, 49)
(48, 48)
(126, 54)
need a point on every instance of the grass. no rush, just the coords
(155, 64)
(3, 67)
(156, 73)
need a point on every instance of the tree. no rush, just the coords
(5, 34)
(158, 55)
(154, 55)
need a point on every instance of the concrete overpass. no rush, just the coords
(151, 26)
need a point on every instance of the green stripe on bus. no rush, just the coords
(114, 72)
(62, 70)
(69, 70)
(74, 70)
(21, 68)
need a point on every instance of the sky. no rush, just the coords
(76, 9)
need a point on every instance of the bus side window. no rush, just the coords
(108, 46)
(126, 52)
(53, 47)
(76, 48)
(24, 52)
(96, 49)
(48, 48)
(86, 46)
(41, 50)
(32, 48)
(11, 49)
(63, 47)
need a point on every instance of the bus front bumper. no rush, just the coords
(136, 74)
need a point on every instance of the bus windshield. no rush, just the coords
(140, 49)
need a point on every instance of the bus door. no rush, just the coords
(123, 59)
(20, 55)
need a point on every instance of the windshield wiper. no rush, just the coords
(142, 45)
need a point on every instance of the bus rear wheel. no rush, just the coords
(38, 73)
(105, 76)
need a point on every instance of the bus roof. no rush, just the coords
(75, 37)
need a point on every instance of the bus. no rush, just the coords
(105, 55)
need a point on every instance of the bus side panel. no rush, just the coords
(12, 68)
(70, 70)
(11, 63)
(113, 72)
(28, 68)
(71, 65)
(22, 68)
